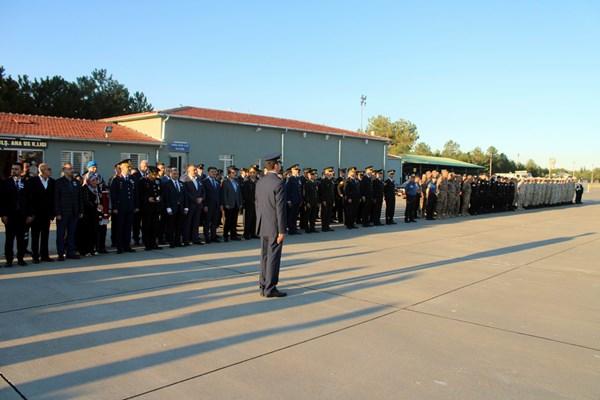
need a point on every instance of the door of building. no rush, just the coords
(178, 160)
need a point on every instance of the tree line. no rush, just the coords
(98, 95)
(404, 138)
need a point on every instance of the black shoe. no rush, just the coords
(73, 256)
(226, 239)
(36, 260)
(235, 238)
(147, 248)
(199, 242)
(136, 243)
(185, 244)
(276, 293)
(60, 257)
(130, 250)
(47, 259)
(22, 263)
(8, 264)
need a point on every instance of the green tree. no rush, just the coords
(423, 149)
(451, 149)
(96, 96)
(403, 133)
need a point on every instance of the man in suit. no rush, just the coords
(249, 205)
(327, 194)
(125, 203)
(176, 208)
(271, 225)
(389, 193)
(15, 213)
(68, 208)
(293, 192)
(41, 190)
(194, 192)
(231, 201)
(212, 202)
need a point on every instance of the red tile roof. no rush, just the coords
(68, 128)
(208, 114)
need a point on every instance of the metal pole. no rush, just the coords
(283, 147)
(340, 153)
(591, 180)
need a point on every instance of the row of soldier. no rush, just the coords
(156, 206)
(445, 194)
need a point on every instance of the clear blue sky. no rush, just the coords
(521, 75)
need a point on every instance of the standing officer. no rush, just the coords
(212, 203)
(378, 188)
(194, 191)
(293, 192)
(339, 198)
(124, 200)
(15, 213)
(366, 194)
(248, 203)
(150, 208)
(271, 225)
(389, 193)
(68, 208)
(327, 195)
(231, 195)
(578, 192)
(311, 201)
(411, 189)
(41, 191)
(466, 195)
(351, 198)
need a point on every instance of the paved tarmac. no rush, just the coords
(504, 306)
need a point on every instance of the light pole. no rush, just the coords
(363, 103)
(591, 182)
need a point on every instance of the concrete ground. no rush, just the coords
(503, 306)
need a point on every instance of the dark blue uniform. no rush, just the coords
(124, 200)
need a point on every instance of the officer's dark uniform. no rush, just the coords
(389, 193)
(311, 204)
(14, 208)
(303, 214)
(327, 195)
(475, 197)
(150, 210)
(351, 200)
(339, 198)
(124, 200)
(366, 194)
(377, 200)
(293, 195)
(249, 204)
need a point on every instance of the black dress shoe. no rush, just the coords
(47, 259)
(130, 250)
(235, 238)
(36, 260)
(73, 256)
(61, 258)
(8, 264)
(276, 293)
(22, 263)
(199, 242)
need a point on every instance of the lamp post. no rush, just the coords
(363, 103)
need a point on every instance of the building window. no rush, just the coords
(78, 159)
(227, 160)
(135, 158)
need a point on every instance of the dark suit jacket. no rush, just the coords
(13, 200)
(173, 198)
(270, 206)
(366, 187)
(192, 193)
(67, 197)
(327, 191)
(293, 189)
(230, 198)
(212, 193)
(42, 206)
(123, 194)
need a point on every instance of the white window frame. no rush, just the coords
(85, 155)
(227, 160)
(135, 158)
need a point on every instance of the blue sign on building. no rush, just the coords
(179, 146)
